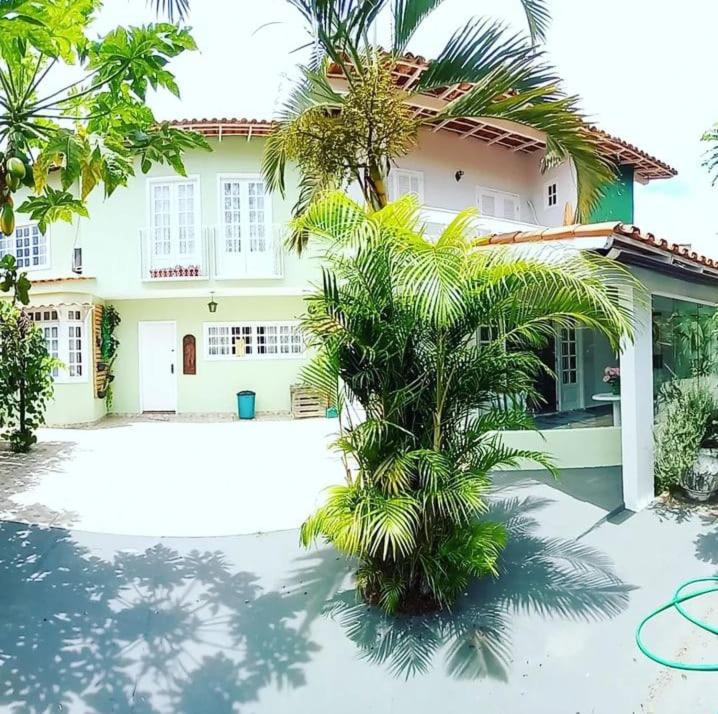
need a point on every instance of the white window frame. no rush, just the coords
(5, 240)
(547, 194)
(245, 252)
(498, 194)
(174, 256)
(394, 175)
(64, 325)
(252, 325)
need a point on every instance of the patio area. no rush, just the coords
(169, 476)
(255, 624)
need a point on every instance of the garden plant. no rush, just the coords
(25, 377)
(421, 402)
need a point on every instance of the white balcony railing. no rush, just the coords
(253, 257)
(210, 254)
(436, 219)
(166, 256)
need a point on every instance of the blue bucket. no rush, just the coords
(245, 404)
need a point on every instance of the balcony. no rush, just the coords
(255, 257)
(436, 219)
(210, 253)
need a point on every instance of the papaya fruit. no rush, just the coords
(15, 167)
(7, 219)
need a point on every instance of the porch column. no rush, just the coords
(636, 363)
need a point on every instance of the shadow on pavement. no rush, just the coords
(21, 472)
(163, 631)
(142, 632)
(544, 577)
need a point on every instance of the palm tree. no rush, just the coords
(394, 329)
(355, 135)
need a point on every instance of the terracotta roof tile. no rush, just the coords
(608, 229)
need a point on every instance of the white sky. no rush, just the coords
(642, 67)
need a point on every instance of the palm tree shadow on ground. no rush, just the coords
(546, 577)
(91, 629)
(143, 632)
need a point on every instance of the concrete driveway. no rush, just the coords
(172, 477)
(255, 625)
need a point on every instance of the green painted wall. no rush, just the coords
(213, 388)
(570, 448)
(617, 202)
(74, 403)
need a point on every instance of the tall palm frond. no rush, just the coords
(511, 80)
(710, 160)
(173, 9)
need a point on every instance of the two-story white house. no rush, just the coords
(209, 297)
(166, 246)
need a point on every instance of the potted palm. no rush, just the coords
(687, 440)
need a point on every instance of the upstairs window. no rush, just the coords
(244, 215)
(403, 182)
(174, 218)
(28, 245)
(498, 204)
(551, 195)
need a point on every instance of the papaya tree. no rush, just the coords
(95, 129)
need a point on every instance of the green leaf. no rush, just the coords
(53, 205)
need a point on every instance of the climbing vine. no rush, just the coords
(108, 349)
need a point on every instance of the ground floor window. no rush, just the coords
(255, 340)
(66, 339)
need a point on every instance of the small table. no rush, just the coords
(615, 400)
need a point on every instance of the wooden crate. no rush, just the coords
(306, 403)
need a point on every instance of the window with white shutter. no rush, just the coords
(498, 204)
(65, 338)
(245, 245)
(551, 194)
(403, 182)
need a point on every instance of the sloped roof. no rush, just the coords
(217, 127)
(409, 68)
(625, 232)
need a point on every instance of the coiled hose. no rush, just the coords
(679, 598)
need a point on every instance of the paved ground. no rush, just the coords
(252, 624)
(171, 478)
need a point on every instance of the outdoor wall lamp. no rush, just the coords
(459, 175)
(212, 304)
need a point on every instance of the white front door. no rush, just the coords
(568, 369)
(158, 381)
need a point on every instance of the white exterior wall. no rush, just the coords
(439, 155)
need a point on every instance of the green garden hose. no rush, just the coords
(676, 602)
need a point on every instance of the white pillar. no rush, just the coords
(637, 409)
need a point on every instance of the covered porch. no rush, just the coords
(582, 423)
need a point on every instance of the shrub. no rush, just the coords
(395, 327)
(685, 423)
(25, 377)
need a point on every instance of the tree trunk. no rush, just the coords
(376, 184)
